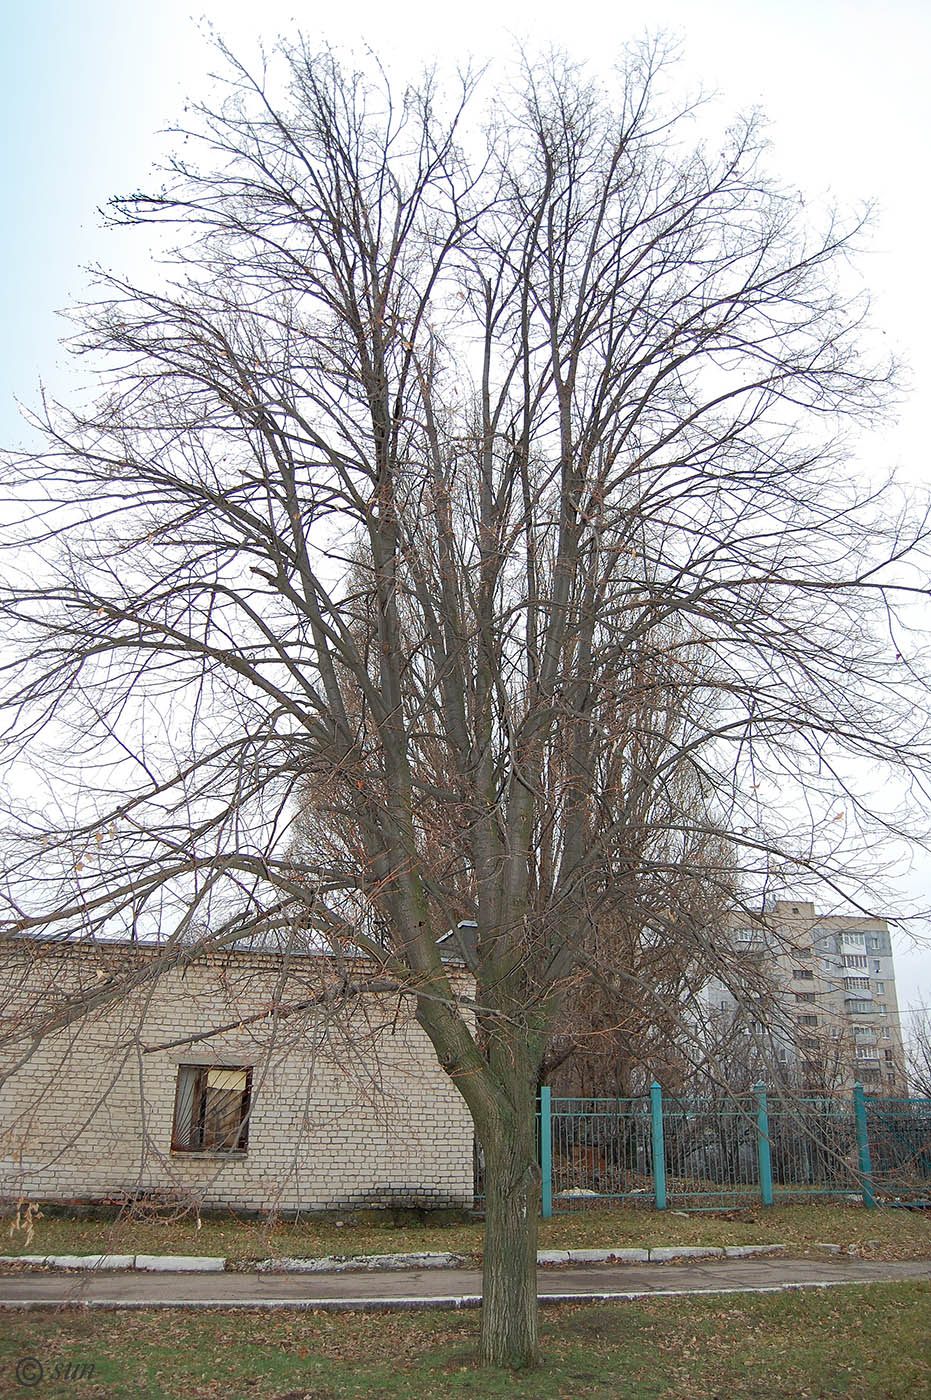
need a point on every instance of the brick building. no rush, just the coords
(226, 1080)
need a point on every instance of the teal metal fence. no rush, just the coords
(814, 1147)
(659, 1150)
(899, 1137)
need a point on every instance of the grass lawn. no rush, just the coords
(851, 1343)
(901, 1234)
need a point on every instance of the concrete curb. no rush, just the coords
(357, 1263)
(665, 1254)
(546, 1258)
(161, 1263)
(845, 1248)
(386, 1263)
(180, 1263)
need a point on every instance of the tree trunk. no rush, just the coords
(509, 1335)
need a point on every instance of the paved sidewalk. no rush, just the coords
(435, 1287)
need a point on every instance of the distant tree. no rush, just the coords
(918, 1056)
(658, 926)
(325, 619)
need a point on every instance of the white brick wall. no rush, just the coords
(349, 1113)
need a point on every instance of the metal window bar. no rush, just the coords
(211, 1109)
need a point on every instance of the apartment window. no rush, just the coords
(881, 988)
(882, 1009)
(803, 973)
(804, 996)
(870, 1072)
(745, 935)
(808, 1042)
(211, 1108)
(877, 967)
(808, 1020)
(864, 1053)
(860, 1008)
(855, 960)
(887, 1054)
(857, 984)
(874, 942)
(858, 940)
(887, 1034)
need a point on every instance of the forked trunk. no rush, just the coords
(509, 1335)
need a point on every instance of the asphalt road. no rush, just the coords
(432, 1287)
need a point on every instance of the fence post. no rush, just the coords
(863, 1145)
(763, 1145)
(659, 1150)
(546, 1152)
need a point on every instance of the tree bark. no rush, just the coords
(509, 1333)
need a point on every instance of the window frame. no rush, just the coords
(199, 1108)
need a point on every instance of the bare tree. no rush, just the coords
(659, 906)
(444, 412)
(918, 1056)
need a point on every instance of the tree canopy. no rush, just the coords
(462, 531)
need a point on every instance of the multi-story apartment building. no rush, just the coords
(815, 994)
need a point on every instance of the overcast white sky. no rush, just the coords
(86, 87)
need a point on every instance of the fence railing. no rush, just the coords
(659, 1149)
